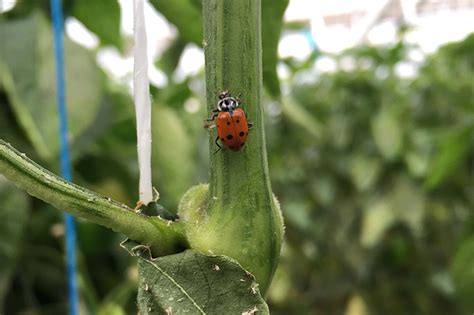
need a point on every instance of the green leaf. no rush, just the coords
(462, 272)
(417, 157)
(27, 74)
(172, 153)
(272, 20)
(454, 148)
(193, 283)
(170, 58)
(403, 203)
(14, 208)
(387, 133)
(302, 118)
(102, 18)
(364, 171)
(9, 128)
(185, 16)
(377, 218)
(115, 301)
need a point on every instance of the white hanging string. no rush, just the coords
(142, 103)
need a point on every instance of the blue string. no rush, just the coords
(56, 11)
(310, 39)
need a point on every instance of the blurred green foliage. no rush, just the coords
(375, 175)
(374, 171)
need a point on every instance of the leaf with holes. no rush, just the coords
(193, 283)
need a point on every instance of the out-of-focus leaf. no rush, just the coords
(418, 155)
(175, 95)
(9, 129)
(23, 8)
(14, 208)
(116, 300)
(443, 282)
(302, 118)
(364, 171)
(111, 309)
(28, 77)
(170, 58)
(272, 19)
(462, 272)
(378, 217)
(102, 18)
(356, 306)
(387, 133)
(194, 283)
(185, 16)
(454, 147)
(339, 131)
(297, 214)
(404, 203)
(281, 284)
(172, 153)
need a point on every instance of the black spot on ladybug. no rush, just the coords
(242, 144)
(242, 134)
(238, 121)
(229, 137)
(228, 123)
(222, 139)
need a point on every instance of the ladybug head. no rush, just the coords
(227, 104)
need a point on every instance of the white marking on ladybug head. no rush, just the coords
(227, 104)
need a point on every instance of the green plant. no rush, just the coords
(237, 216)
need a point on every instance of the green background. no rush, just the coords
(375, 173)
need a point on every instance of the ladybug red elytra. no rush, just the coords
(231, 122)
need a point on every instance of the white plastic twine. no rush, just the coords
(142, 103)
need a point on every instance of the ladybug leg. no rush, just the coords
(208, 123)
(217, 143)
(249, 124)
(211, 118)
(215, 112)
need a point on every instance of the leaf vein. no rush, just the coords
(176, 284)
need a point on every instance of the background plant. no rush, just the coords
(374, 172)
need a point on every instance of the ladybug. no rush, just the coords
(231, 122)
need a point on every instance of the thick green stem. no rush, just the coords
(164, 237)
(242, 220)
(234, 62)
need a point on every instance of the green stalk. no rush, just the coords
(163, 237)
(233, 53)
(241, 219)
